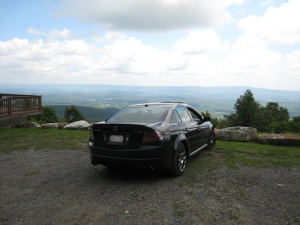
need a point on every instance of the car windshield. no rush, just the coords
(148, 115)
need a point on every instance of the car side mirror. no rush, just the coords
(207, 118)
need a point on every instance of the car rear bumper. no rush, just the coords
(146, 156)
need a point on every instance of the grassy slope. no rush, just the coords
(231, 154)
(25, 139)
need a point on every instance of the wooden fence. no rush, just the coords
(14, 107)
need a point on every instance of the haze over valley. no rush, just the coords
(218, 101)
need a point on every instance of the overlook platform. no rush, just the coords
(16, 109)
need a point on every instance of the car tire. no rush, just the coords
(179, 161)
(211, 141)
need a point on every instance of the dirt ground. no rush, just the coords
(62, 187)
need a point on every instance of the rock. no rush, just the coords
(63, 125)
(86, 127)
(78, 125)
(30, 124)
(237, 134)
(51, 126)
(279, 139)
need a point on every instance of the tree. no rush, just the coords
(246, 109)
(275, 113)
(72, 114)
(251, 114)
(205, 114)
(294, 125)
(48, 116)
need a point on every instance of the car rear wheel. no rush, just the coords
(211, 141)
(179, 161)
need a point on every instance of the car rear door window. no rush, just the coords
(183, 114)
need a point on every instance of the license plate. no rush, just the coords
(116, 138)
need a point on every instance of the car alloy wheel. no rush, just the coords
(211, 141)
(179, 161)
(181, 158)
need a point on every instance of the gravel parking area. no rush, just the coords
(62, 187)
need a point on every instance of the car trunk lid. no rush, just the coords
(119, 136)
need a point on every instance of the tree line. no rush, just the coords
(71, 115)
(271, 118)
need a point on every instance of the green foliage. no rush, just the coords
(270, 115)
(246, 109)
(72, 114)
(91, 114)
(249, 113)
(292, 126)
(49, 116)
(205, 113)
(219, 123)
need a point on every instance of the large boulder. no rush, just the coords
(51, 126)
(237, 134)
(88, 127)
(279, 139)
(78, 125)
(30, 124)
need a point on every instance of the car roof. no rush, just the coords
(158, 104)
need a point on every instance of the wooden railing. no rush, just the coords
(19, 104)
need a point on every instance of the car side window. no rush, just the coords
(177, 117)
(183, 114)
(195, 117)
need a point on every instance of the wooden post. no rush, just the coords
(26, 104)
(40, 102)
(10, 106)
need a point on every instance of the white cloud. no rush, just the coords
(110, 36)
(265, 2)
(280, 25)
(149, 15)
(133, 57)
(53, 34)
(249, 63)
(202, 42)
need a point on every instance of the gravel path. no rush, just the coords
(62, 187)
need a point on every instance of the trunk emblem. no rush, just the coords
(115, 128)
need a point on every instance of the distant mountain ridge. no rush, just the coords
(227, 92)
(217, 100)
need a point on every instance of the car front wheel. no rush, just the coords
(211, 141)
(179, 161)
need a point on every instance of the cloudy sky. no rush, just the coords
(151, 42)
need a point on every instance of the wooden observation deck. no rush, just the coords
(17, 109)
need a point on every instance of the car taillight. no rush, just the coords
(152, 136)
(91, 134)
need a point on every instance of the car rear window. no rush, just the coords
(148, 115)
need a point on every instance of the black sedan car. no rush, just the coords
(151, 136)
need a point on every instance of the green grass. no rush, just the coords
(23, 139)
(230, 154)
(234, 154)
